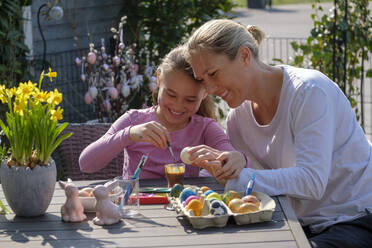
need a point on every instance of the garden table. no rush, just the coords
(156, 227)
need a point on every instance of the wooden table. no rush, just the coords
(156, 227)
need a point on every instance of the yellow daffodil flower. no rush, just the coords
(56, 115)
(55, 97)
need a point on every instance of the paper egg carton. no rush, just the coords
(265, 212)
(205, 219)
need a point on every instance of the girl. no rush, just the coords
(183, 117)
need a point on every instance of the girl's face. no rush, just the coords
(179, 98)
(221, 76)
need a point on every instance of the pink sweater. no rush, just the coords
(199, 131)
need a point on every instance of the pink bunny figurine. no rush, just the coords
(72, 210)
(107, 212)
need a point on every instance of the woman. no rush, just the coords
(299, 125)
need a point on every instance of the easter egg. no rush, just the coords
(251, 199)
(195, 207)
(206, 193)
(191, 197)
(214, 195)
(186, 193)
(204, 188)
(229, 195)
(247, 208)
(176, 190)
(185, 156)
(234, 204)
(217, 208)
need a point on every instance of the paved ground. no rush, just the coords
(292, 21)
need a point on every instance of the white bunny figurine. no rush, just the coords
(72, 210)
(107, 212)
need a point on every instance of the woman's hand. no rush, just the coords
(232, 164)
(222, 165)
(151, 132)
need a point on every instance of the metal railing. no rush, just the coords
(73, 89)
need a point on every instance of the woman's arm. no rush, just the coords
(313, 127)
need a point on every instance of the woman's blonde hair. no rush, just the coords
(224, 36)
(176, 60)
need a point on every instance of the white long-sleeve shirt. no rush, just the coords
(313, 150)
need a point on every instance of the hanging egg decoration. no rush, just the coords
(116, 60)
(83, 77)
(125, 90)
(92, 58)
(107, 105)
(77, 61)
(87, 98)
(93, 92)
(113, 92)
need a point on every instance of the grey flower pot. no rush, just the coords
(28, 191)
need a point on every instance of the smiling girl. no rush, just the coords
(183, 116)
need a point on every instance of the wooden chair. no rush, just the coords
(68, 152)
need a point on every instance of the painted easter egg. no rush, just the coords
(194, 207)
(235, 204)
(185, 156)
(247, 208)
(214, 195)
(229, 195)
(191, 197)
(251, 199)
(217, 208)
(204, 188)
(176, 190)
(206, 193)
(186, 193)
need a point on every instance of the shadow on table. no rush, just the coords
(55, 232)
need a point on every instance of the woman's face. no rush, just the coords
(221, 76)
(179, 98)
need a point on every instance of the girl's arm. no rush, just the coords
(99, 153)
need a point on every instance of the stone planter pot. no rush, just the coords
(28, 191)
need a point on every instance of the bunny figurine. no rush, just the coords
(107, 212)
(72, 210)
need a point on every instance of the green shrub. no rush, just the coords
(318, 51)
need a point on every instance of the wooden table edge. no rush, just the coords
(295, 227)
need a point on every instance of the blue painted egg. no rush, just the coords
(186, 193)
(206, 193)
(176, 190)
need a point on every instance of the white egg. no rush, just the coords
(185, 156)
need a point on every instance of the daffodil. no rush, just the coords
(56, 115)
(55, 97)
(31, 123)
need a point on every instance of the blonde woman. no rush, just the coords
(299, 125)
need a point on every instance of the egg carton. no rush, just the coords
(205, 219)
(265, 212)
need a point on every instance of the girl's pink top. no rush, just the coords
(200, 130)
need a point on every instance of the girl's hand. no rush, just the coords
(151, 132)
